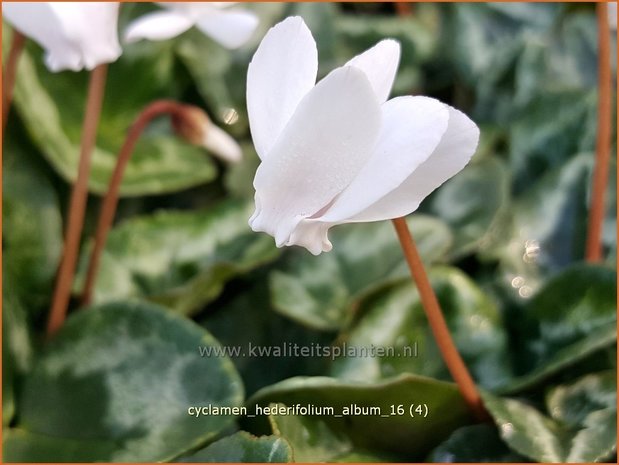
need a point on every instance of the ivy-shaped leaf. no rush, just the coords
(180, 259)
(116, 383)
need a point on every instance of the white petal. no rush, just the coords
(452, 154)
(230, 28)
(322, 149)
(159, 25)
(411, 129)
(196, 8)
(380, 64)
(281, 73)
(75, 35)
(221, 144)
(192, 10)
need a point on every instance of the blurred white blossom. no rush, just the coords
(75, 35)
(197, 128)
(231, 27)
(339, 151)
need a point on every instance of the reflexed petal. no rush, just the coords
(452, 154)
(380, 64)
(322, 149)
(230, 28)
(74, 35)
(160, 25)
(411, 129)
(281, 73)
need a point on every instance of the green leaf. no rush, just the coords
(411, 437)
(581, 426)
(554, 115)
(394, 319)
(243, 318)
(571, 318)
(572, 403)
(242, 447)
(17, 351)
(573, 305)
(32, 233)
(546, 133)
(52, 104)
(321, 291)
(472, 203)
(526, 430)
(180, 259)
(115, 384)
(484, 42)
(311, 439)
(548, 228)
(571, 356)
(474, 444)
(486, 39)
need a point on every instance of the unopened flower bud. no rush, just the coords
(193, 125)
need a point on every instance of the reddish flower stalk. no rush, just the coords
(10, 71)
(403, 8)
(188, 121)
(433, 311)
(602, 158)
(77, 205)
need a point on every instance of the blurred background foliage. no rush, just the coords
(503, 242)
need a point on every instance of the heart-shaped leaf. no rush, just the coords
(394, 319)
(320, 291)
(180, 259)
(116, 383)
(395, 432)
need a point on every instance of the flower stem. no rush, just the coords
(108, 209)
(10, 71)
(403, 8)
(602, 158)
(77, 205)
(445, 343)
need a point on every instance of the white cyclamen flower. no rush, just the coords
(230, 27)
(339, 151)
(75, 35)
